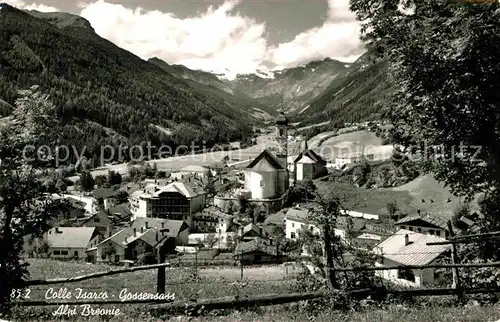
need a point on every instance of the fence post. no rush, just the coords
(196, 262)
(241, 265)
(160, 286)
(456, 277)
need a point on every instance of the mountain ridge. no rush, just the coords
(89, 78)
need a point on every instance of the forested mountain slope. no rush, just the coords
(104, 94)
(358, 94)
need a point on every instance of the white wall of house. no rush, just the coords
(66, 252)
(293, 227)
(139, 207)
(356, 214)
(119, 251)
(423, 277)
(108, 203)
(341, 161)
(223, 225)
(425, 230)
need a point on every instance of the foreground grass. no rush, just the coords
(294, 312)
(215, 283)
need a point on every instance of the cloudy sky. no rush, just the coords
(232, 36)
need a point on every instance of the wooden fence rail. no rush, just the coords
(94, 275)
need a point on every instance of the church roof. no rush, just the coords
(282, 119)
(268, 156)
(312, 155)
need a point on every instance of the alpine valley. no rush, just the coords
(105, 95)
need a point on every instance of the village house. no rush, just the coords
(211, 220)
(252, 231)
(424, 223)
(118, 215)
(107, 195)
(352, 159)
(308, 165)
(363, 233)
(176, 228)
(70, 242)
(177, 201)
(357, 214)
(140, 242)
(198, 170)
(297, 219)
(407, 247)
(256, 251)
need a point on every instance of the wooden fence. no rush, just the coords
(272, 299)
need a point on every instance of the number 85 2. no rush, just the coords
(18, 293)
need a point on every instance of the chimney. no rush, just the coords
(146, 225)
(135, 231)
(407, 240)
(142, 230)
(156, 235)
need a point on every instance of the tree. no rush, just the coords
(392, 208)
(325, 212)
(301, 191)
(444, 65)
(61, 186)
(24, 207)
(210, 184)
(86, 181)
(121, 196)
(114, 178)
(100, 180)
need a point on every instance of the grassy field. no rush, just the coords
(429, 195)
(344, 143)
(389, 314)
(372, 201)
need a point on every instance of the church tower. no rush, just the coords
(282, 137)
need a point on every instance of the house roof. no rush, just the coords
(127, 236)
(257, 244)
(415, 253)
(311, 155)
(435, 221)
(153, 191)
(172, 227)
(297, 214)
(251, 227)
(119, 237)
(267, 155)
(105, 192)
(70, 237)
(130, 188)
